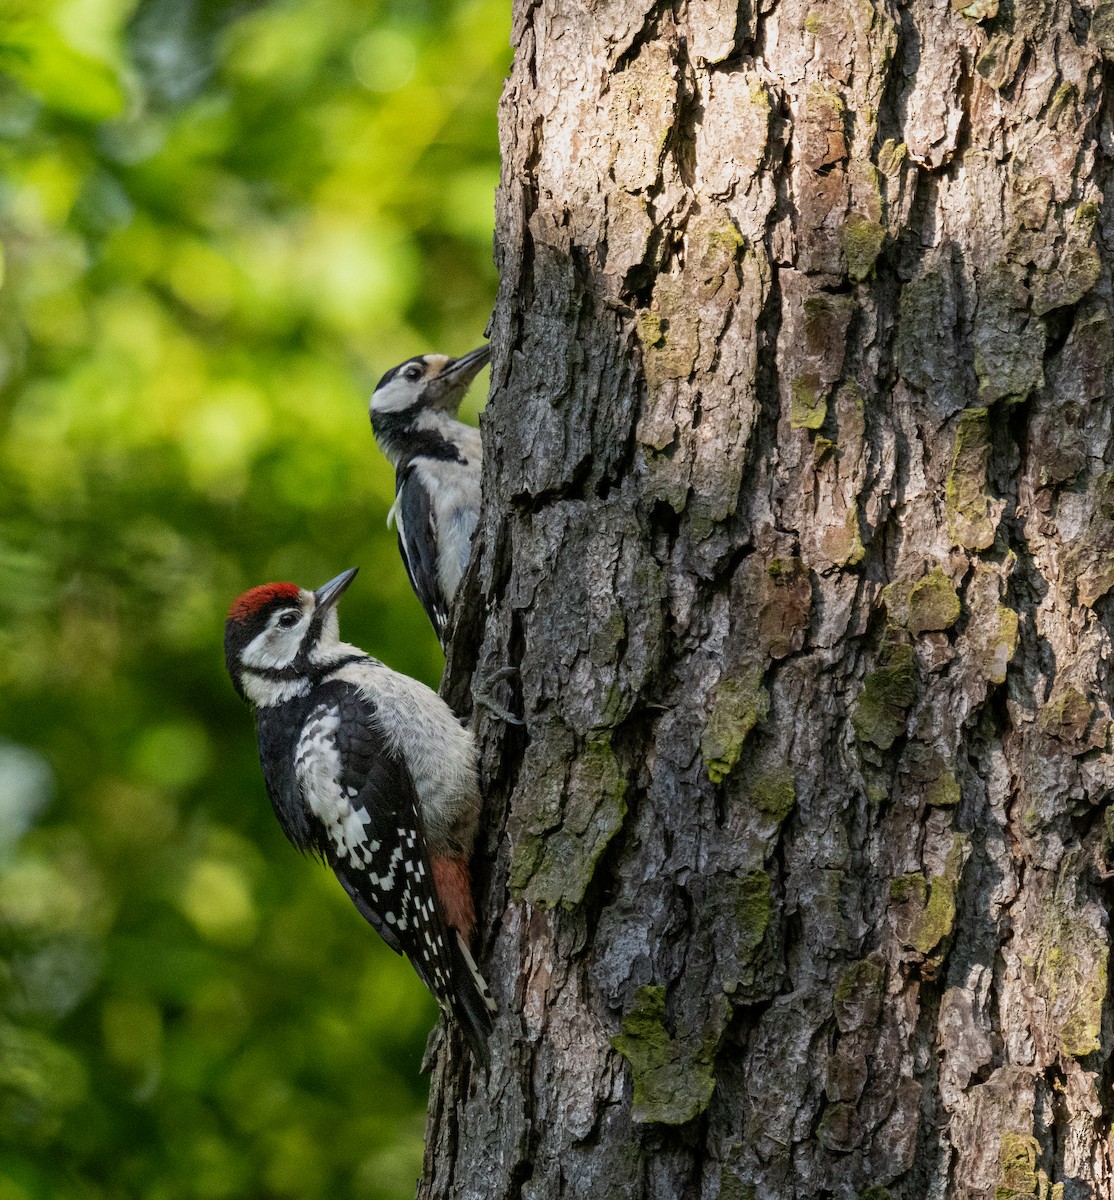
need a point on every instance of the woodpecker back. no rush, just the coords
(438, 465)
(369, 771)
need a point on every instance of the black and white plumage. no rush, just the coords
(438, 461)
(370, 771)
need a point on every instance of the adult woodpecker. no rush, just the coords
(437, 461)
(370, 771)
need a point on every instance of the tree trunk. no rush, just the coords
(799, 529)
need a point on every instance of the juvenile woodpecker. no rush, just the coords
(370, 771)
(437, 461)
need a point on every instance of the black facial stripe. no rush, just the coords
(291, 672)
(302, 668)
(397, 429)
(418, 358)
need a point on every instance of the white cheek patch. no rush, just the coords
(396, 396)
(275, 647)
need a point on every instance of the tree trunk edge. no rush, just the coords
(798, 869)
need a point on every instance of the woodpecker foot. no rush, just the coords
(482, 694)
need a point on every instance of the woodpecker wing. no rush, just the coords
(367, 826)
(417, 543)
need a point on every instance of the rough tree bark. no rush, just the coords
(799, 529)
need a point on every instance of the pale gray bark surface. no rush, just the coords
(799, 528)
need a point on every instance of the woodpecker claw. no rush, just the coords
(482, 695)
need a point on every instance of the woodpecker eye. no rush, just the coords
(412, 372)
(289, 619)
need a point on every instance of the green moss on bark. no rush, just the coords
(970, 518)
(673, 1083)
(934, 924)
(739, 705)
(944, 791)
(883, 708)
(933, 603)
(554, 860)
(808, 402)
(774, 796)
(862, 243)
(1018, 1158)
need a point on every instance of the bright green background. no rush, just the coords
(221, 222)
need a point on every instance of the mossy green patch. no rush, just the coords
(668, 333)
(944, 791)
(808, 402)
(862, 243)
(1063, 102)
(739, 705)
(774, 795)
(884, 703)
(971, 519)
(1072, 963)
(555, 858)
(909, 889)
(1018, 1159)
(935, 922)
(933, 603)
(753, 909)
(672, 1083)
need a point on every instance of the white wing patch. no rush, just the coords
(317, 767)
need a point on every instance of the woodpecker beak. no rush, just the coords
(325, 597)
(461, 371)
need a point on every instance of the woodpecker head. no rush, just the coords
(278, 636)
(428, 383)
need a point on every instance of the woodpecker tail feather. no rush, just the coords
(472, 1005)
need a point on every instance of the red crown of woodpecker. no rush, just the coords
(250, 603)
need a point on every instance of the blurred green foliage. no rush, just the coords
(221, 221)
